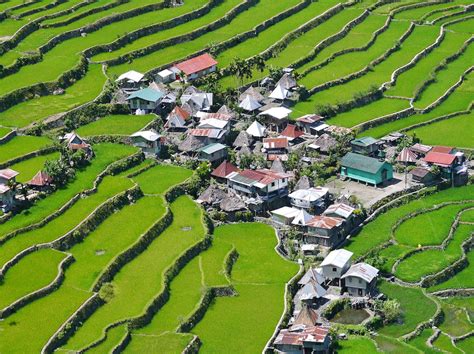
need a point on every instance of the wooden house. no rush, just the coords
(366, 169)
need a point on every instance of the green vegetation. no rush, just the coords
(116, 125)
(356, 344)
(443, 342)
(419, 341)
(456, 320)
(28, 168)
(22, 145)
(158, 179)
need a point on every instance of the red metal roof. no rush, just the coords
(263, 176)
(196, 64)
(275, 143)
(439, 158)
(180, 112)
(41, 179)
(443, 149)
(292, 131)
(224, 169)
(316, 334)
(8, 173)
(325, 222)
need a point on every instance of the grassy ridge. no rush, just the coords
(22, 145)
(30, 167)
(116, 125)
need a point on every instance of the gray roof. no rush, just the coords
(243, 139)
(232, 203)
(277, 166)
(325, 142)
(362, 270)
(362, 162)
(191, 143)
(337, 258)
(311, 291)
(312, 274)
(303, 183)
(212, 148)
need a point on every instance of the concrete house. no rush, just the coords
(325, 231)
(365, 146)
(148, 141)
(196, 67)
(8, 176)
(146, 100)
(312, 198)
(311, 124)
(215, 152)
(446, 162)
(360, 279)
(314, 339)
(284, 215)
(366, 169)
(335, 264)
(263, 184)
(343, 211)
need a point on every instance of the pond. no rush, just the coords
(351, 316)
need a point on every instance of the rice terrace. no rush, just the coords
(236, 176)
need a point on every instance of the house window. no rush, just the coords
(360, 281)
(334, 269)
(273, 184)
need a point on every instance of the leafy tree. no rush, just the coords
(59, 171)
(390, 310)
(204, 170)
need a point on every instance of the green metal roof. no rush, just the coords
(362, 162)
(211, 148)
(147, 94)
(364, 141)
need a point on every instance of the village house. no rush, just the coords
(292, 133)
(208, 136)
(131, 80)
(422, 175)
(8, 176)
(301, 221)
(222, 172)
(311, 124)
(145, 100)
(276, 117)
(178, 119)
(249, 104)
(213, 123)
(41, 181)
(284, 215)
(323, 144)
(446, 162)
(360, 279)
(407, 157)
(214, 153)
(420, 150)
(392, 139)
(275, 147)
(256, 130)
(325, 231)
(194, 100)
(75, 143)
(335, 264)
(309, 199)
(7, 193)
(343, 211)
(314, 339)
(366, 169)
(149, 141)
(367, 146)
(166, 76)
(311, 294)
(196, 67)
(264, 185)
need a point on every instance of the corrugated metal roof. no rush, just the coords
(362, 163)
(197, 64)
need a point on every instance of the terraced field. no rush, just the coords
(374, 66)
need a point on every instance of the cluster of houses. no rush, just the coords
(335, 277)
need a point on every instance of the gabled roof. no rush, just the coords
(180, 113)
(420, 148)
(252, 92)
(310, 195)
(196, 64)
(362, 162)
(224, 170)
(310, 119)
(219, 116)
(311, 290)
(364, 141)
(340, 209)
(406, 155)
(362, 270)
(256, 130)
(191, 143)
(312, 274)
(146, 94)
(259, 178)
(439, 158)
(213, 123)
(291, 132)
(286, 212)
(275, 143)
(338, 258)
(420, 172)
(276, 112)
(212, 148)
(8, 173)
(325, 222)
(41, 179)
(249, 104)
(132, 75)
(148, 135)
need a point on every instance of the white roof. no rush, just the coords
(165, 73)
(337, 258)
(213, 123)
(362, 270)
(310, 195)
(279, 93)
(131, 75)
(277, 112)
(312, 274)
(340, 209)
(286, 212)
(256, 130)
(149, 135)
(249, 104)
(302, 218)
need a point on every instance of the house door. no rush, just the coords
(359, 292)
(384, 175)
